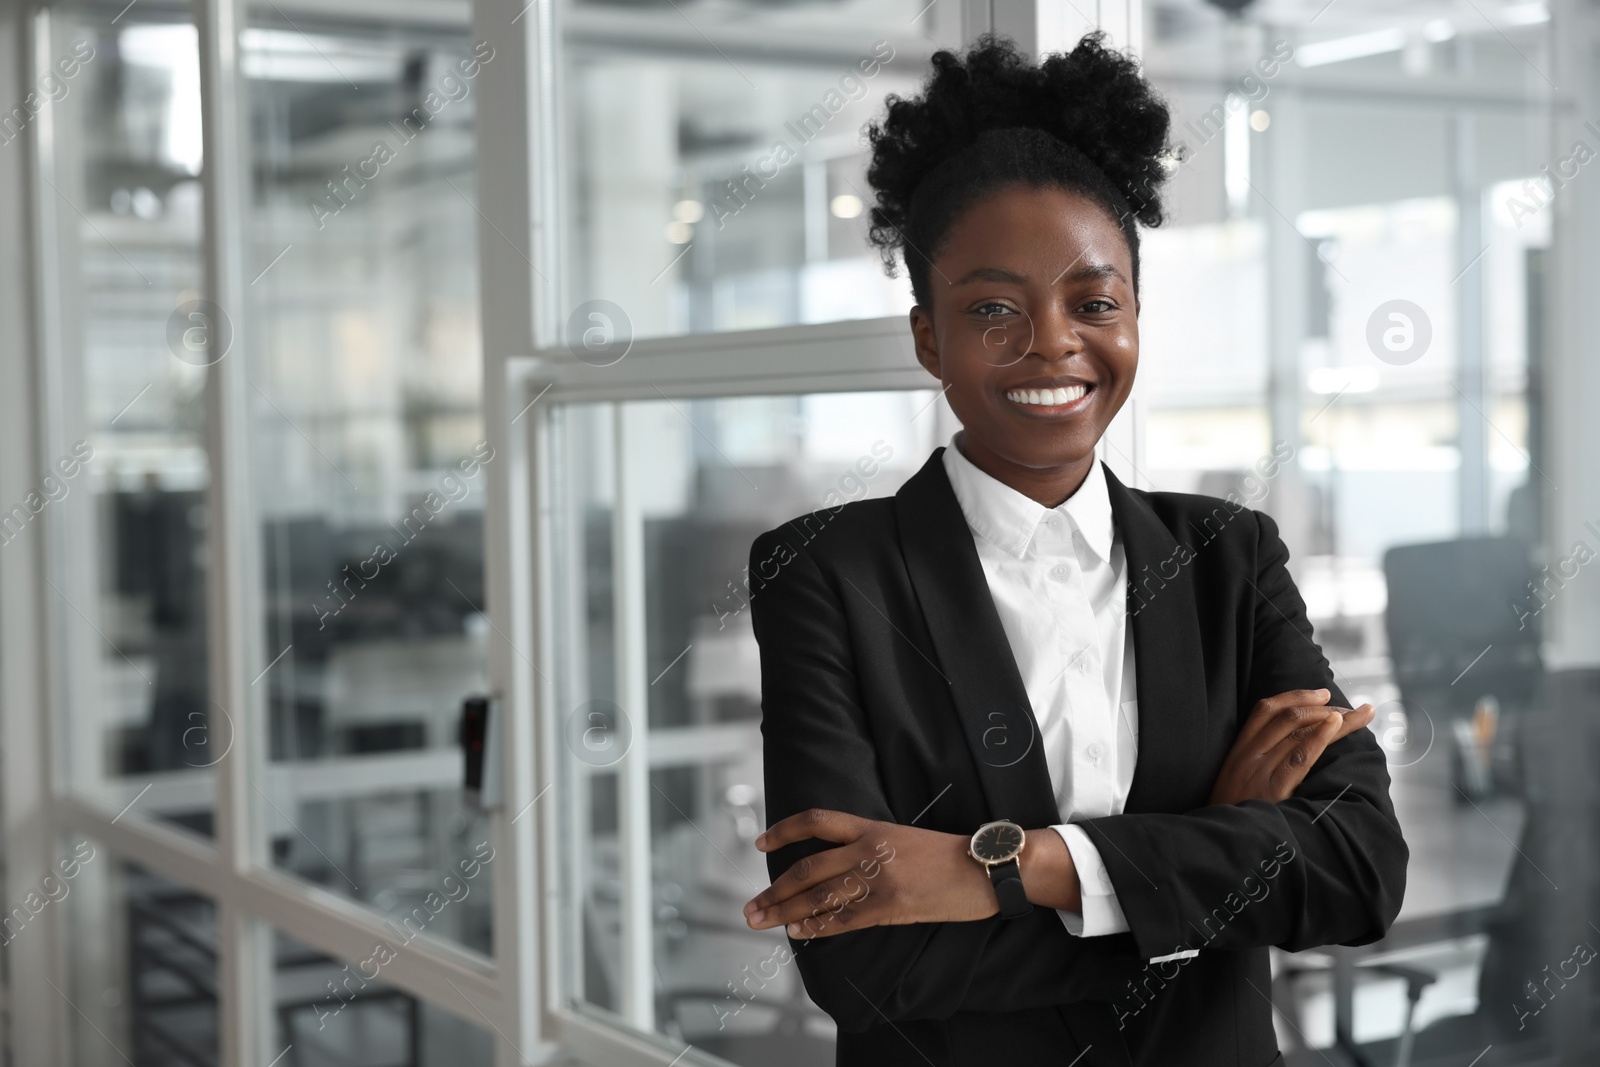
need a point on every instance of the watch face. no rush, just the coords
(997, 842)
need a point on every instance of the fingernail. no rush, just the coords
(756, 916)
(761, 840)
(750, 908)
(793, 929)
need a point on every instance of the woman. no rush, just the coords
(1050, 761)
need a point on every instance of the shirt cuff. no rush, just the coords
(1101, 912)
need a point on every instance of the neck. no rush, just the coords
(1049, 486)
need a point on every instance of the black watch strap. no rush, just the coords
(1007, 879)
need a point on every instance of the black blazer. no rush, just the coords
(889, 691)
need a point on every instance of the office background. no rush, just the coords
(361, 359)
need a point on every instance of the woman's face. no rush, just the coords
(1033, 332)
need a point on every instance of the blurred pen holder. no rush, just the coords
(1485, 753)
(1474, 764)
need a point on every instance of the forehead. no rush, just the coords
(1019, 227)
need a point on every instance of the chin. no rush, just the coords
(1054, 444)
(1049, 455)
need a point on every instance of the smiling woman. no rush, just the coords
(906, 646)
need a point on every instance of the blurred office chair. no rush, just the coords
(159, 535)
(1463, 612)
(1463, 622)
(172, 974)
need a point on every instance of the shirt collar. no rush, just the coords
(1008, 519)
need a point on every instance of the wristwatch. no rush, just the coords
(997, 845)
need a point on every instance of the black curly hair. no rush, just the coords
(1084, 120)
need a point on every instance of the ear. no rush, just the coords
(926, 342)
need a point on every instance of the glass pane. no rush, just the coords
(333, 1014)
(142, 964)
(368, 442)
(720, 187)
(134, 336)
(1341, 331)
(699, 480)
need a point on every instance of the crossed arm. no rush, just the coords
(887, 874)
(908, 895)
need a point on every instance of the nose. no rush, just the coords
(1055, 333)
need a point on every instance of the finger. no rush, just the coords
(1267, 707)
(818, 824)
(1293, 759)
(1295, 768)
(804, 873)
(831, 907)
(1296, 723)
(1351, 720)
(1357, 719)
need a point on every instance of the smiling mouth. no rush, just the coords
(1066, 396)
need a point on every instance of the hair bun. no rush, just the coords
(1092, 99)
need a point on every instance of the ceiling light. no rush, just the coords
(1327, 380)
(1359, 46)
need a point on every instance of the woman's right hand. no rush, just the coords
(1282, 739)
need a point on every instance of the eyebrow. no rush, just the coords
(1090, 271)
(990, 274)
(1087, 272)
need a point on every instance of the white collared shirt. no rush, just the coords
(1058, 577)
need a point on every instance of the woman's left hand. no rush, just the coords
(882, 874)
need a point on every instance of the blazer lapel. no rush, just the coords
(972, 649)
(1169, 665)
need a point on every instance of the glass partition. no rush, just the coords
(136, 341)
(717, 177)
(658, 503)
(367, 437)
(143, 986)
(334, 1013)
(1338, 327)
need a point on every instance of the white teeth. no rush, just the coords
(1048, 397)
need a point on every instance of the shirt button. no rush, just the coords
(1094, 752)
(1059, 572)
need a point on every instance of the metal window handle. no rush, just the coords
(480, 751)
